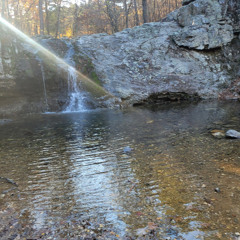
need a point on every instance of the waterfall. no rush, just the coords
(76, 97)
(44, 84)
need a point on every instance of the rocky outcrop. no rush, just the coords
(193, 53)
(189, 52)
(156, 58)
(205, 26)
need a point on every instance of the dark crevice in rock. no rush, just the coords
(160, 98)
(207, 50)
(186, 2)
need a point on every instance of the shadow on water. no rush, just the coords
(178, 182)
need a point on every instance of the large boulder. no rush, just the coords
(205, 25)
(140, 62)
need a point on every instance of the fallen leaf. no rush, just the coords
(151, 121)
(152, 226)
(215, 131)
(178, 219)
(139, 213)
(205, 225)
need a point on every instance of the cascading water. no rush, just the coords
(44, 84)
(76, 97)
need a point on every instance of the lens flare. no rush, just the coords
(94, 89)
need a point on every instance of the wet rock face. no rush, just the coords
(21, 79)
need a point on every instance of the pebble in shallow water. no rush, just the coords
(232, 134)
(127, 149)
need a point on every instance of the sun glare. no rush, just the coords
(88, 84)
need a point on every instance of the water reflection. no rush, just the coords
(72, 166)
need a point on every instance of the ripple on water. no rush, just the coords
(73, 166)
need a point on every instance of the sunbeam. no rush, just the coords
(94, 89)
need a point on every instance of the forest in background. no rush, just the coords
(60, 18)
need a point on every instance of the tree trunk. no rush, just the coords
(36, 30)
(145, 11)
(176, 4)
(115, 16)
(154, 11)
(100, 24)
(136, 13)
(15, 9)
(58, 19)
(41, 17)
(47, 17)
(3, 8)
(8, 11)
(75, 22)
(126, 12)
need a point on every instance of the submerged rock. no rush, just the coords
(127, 149)
(233, 134)
(4, 121)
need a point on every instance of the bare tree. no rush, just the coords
(112, 14)
(73, 17)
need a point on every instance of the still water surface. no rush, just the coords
(178, 182)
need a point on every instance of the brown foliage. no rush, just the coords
(64, 18)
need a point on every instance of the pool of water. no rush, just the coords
(71, 171)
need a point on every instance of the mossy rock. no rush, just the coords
(85, 66)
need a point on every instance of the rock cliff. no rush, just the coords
(192, 53)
